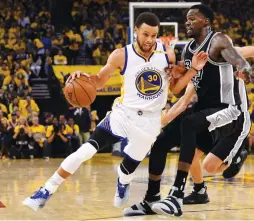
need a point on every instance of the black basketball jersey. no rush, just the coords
(215, 84)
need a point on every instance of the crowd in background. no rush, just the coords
(31, 40)
(24, 136)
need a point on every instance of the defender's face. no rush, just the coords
(146, 37)
(195, 23)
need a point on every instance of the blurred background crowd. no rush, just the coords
(36, 34)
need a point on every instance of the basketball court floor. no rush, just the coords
(88, 195)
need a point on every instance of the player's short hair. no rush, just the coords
(148, 18)
(206, 11)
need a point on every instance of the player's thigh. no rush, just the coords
(141, 138)
(115, 123)
(223, 152)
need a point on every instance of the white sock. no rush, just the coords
(124, 178)
(54, 182)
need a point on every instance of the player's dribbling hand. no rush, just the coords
(199, 60)
(76, 74)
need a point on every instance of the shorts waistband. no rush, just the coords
(139, 112)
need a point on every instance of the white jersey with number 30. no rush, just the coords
(145, 85)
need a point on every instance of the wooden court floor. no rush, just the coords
(88, 195)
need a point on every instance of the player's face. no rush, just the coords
(146, 37)
(195, 23)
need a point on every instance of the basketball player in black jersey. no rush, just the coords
(218, 109)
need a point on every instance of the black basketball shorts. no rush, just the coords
(228, 129)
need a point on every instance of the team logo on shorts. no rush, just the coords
(148, 82)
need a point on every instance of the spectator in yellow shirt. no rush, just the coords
(14, 30)
(44, 12)
(19, 46)
(17, 13)
(19, 70)
(97, 55)
(60, 59)
(75, 42)
(57, 41)
(14, 103)
(11, 42)
(15, 79)
(2, 31)
(27, 106)
(37, 128)
(38, 135)
(4, 70)
(26, 63)
(13, 122)
(22, 123)
(3, 108)
(39, 45)
(16, 112)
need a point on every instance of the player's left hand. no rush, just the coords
(199, 60)
(76, 74)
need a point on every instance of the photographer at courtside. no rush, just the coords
(58, 138)
(20, 147)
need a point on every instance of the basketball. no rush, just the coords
(81, 92)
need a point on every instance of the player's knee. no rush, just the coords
(210, 167)
(85, 152)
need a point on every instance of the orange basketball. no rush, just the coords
(81, 92)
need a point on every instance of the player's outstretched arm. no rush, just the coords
(178, 84)
(180, 105)
(115, 61)
(246, 51)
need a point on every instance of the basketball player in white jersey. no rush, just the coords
(135, 116)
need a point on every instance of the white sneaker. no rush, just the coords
(142, 208)
(122, 194)
(171, 206)
(38, 200)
